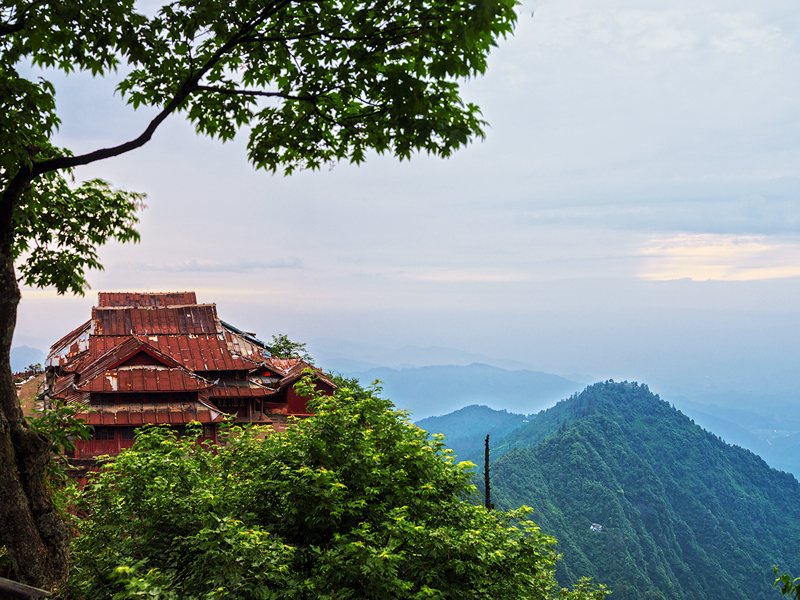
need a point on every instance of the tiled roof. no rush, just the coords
(243, 345)
(152, 343)
(283, 365)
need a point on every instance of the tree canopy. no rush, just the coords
(355, 502)
(312, 82)
(282, 346)
(309, 82)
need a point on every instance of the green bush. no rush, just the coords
(355, 502)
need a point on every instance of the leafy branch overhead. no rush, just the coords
(355, 75)
(314, 82)
(59, 243)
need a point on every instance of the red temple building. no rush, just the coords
(162, 358)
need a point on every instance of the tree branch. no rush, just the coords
(189, 85)
(6, 28)
(19, 24)
(263, 93)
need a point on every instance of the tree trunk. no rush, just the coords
(34, 534)
(487, 478)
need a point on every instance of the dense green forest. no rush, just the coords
(682, 514)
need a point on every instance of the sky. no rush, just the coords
(633, 213)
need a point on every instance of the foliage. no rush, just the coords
(311, 82)
(60, 426)
(358, 76)
(787, 585)
(60, 226)
(355, 502)
(281, 346)
(5, 563)
(685, 515)
(584, 590)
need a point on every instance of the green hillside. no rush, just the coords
(467, 427)
(683, 514)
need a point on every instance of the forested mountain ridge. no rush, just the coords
(467, 427)
(683, 514)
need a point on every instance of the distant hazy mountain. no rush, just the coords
(436, 390)
(465, 430)
(681, 514)
(771, 432)
(346, 357)
(22, 356)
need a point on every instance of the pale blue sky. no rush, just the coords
(633, 213)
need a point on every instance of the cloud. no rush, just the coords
(450, 276)
(758, 208)
(677, 27)
(707, 257)
(241, 266)
(743, 32)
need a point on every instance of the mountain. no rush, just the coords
(466, 428)
(22, 356)
(773, 432)
(436, 390)
(644, 500)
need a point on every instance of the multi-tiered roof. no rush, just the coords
(165, 358)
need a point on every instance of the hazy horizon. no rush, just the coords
(634, 212)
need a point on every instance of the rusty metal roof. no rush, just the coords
(180, 338)
(292, 369)
(105, 299)
(192, 319)
(144, 378)
(72, 345)
(141, 413)
(63, 387)
(194, 352)
(117, 355)
(237, 388)
(283, 365)
(244, 345)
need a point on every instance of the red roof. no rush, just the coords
(283, 365)
(194, 319)
(63, 388)
(72, 345)
(141, 413)
(292, 369)
(119, 354)
(145, 298)
(240, 389)
(144, 378)
(194, 352)
(153, 345)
